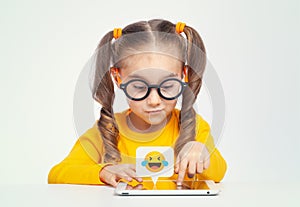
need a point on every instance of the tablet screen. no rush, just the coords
(169, 185)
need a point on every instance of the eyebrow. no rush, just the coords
(141, 77)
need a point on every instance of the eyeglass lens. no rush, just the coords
(138, 89)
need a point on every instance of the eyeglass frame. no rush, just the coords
(123, 86)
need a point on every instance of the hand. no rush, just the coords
(194, 156)
(111, 174)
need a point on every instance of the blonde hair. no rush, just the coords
(190, 50)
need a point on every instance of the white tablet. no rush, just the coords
(168, 187)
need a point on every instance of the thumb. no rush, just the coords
(111, 180)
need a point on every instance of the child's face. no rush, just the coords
(153, 69)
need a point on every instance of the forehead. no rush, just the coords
(150, 66)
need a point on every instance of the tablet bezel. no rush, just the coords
(213, 190)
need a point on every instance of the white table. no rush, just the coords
(233, 194)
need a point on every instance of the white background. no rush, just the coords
(253, 45)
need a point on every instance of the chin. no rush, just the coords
(157, 121)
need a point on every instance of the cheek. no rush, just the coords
(171, 103)
(135, 105)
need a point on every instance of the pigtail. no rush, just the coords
(196, 61)
(103, 92)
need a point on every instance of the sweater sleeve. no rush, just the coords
(83, 164)
(217, 168)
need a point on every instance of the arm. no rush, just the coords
(218, 166)
(200, 157)
(81, 166)
(216, 169)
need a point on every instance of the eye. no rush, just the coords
(166, 87)
(150, 158)
(158, 158)
(139, 87)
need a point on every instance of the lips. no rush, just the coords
(154, 165)
(155, 111)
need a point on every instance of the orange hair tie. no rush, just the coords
(180, 27)
(116, 74)
(117, 33)
(185, 72)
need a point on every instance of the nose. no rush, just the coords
(153, 98)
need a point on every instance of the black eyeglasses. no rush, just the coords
(138, 89)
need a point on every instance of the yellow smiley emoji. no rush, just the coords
(154, 161)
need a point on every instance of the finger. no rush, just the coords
(139, 179)
(114, 183)
(129, 187)
(112, 180)
(131, 166)
(124, 175)
(200, 166)
(108, 178)
(176, 168)
(192, 169)
(206, 163)
(181, 171)
(131, 173)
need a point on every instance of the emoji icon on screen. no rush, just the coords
(154, 161)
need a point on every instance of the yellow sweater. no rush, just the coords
(84, 162)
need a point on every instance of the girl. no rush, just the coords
(154, 64)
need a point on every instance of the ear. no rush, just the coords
(116, 75)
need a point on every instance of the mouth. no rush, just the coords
(154, 165)
(154, 111)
